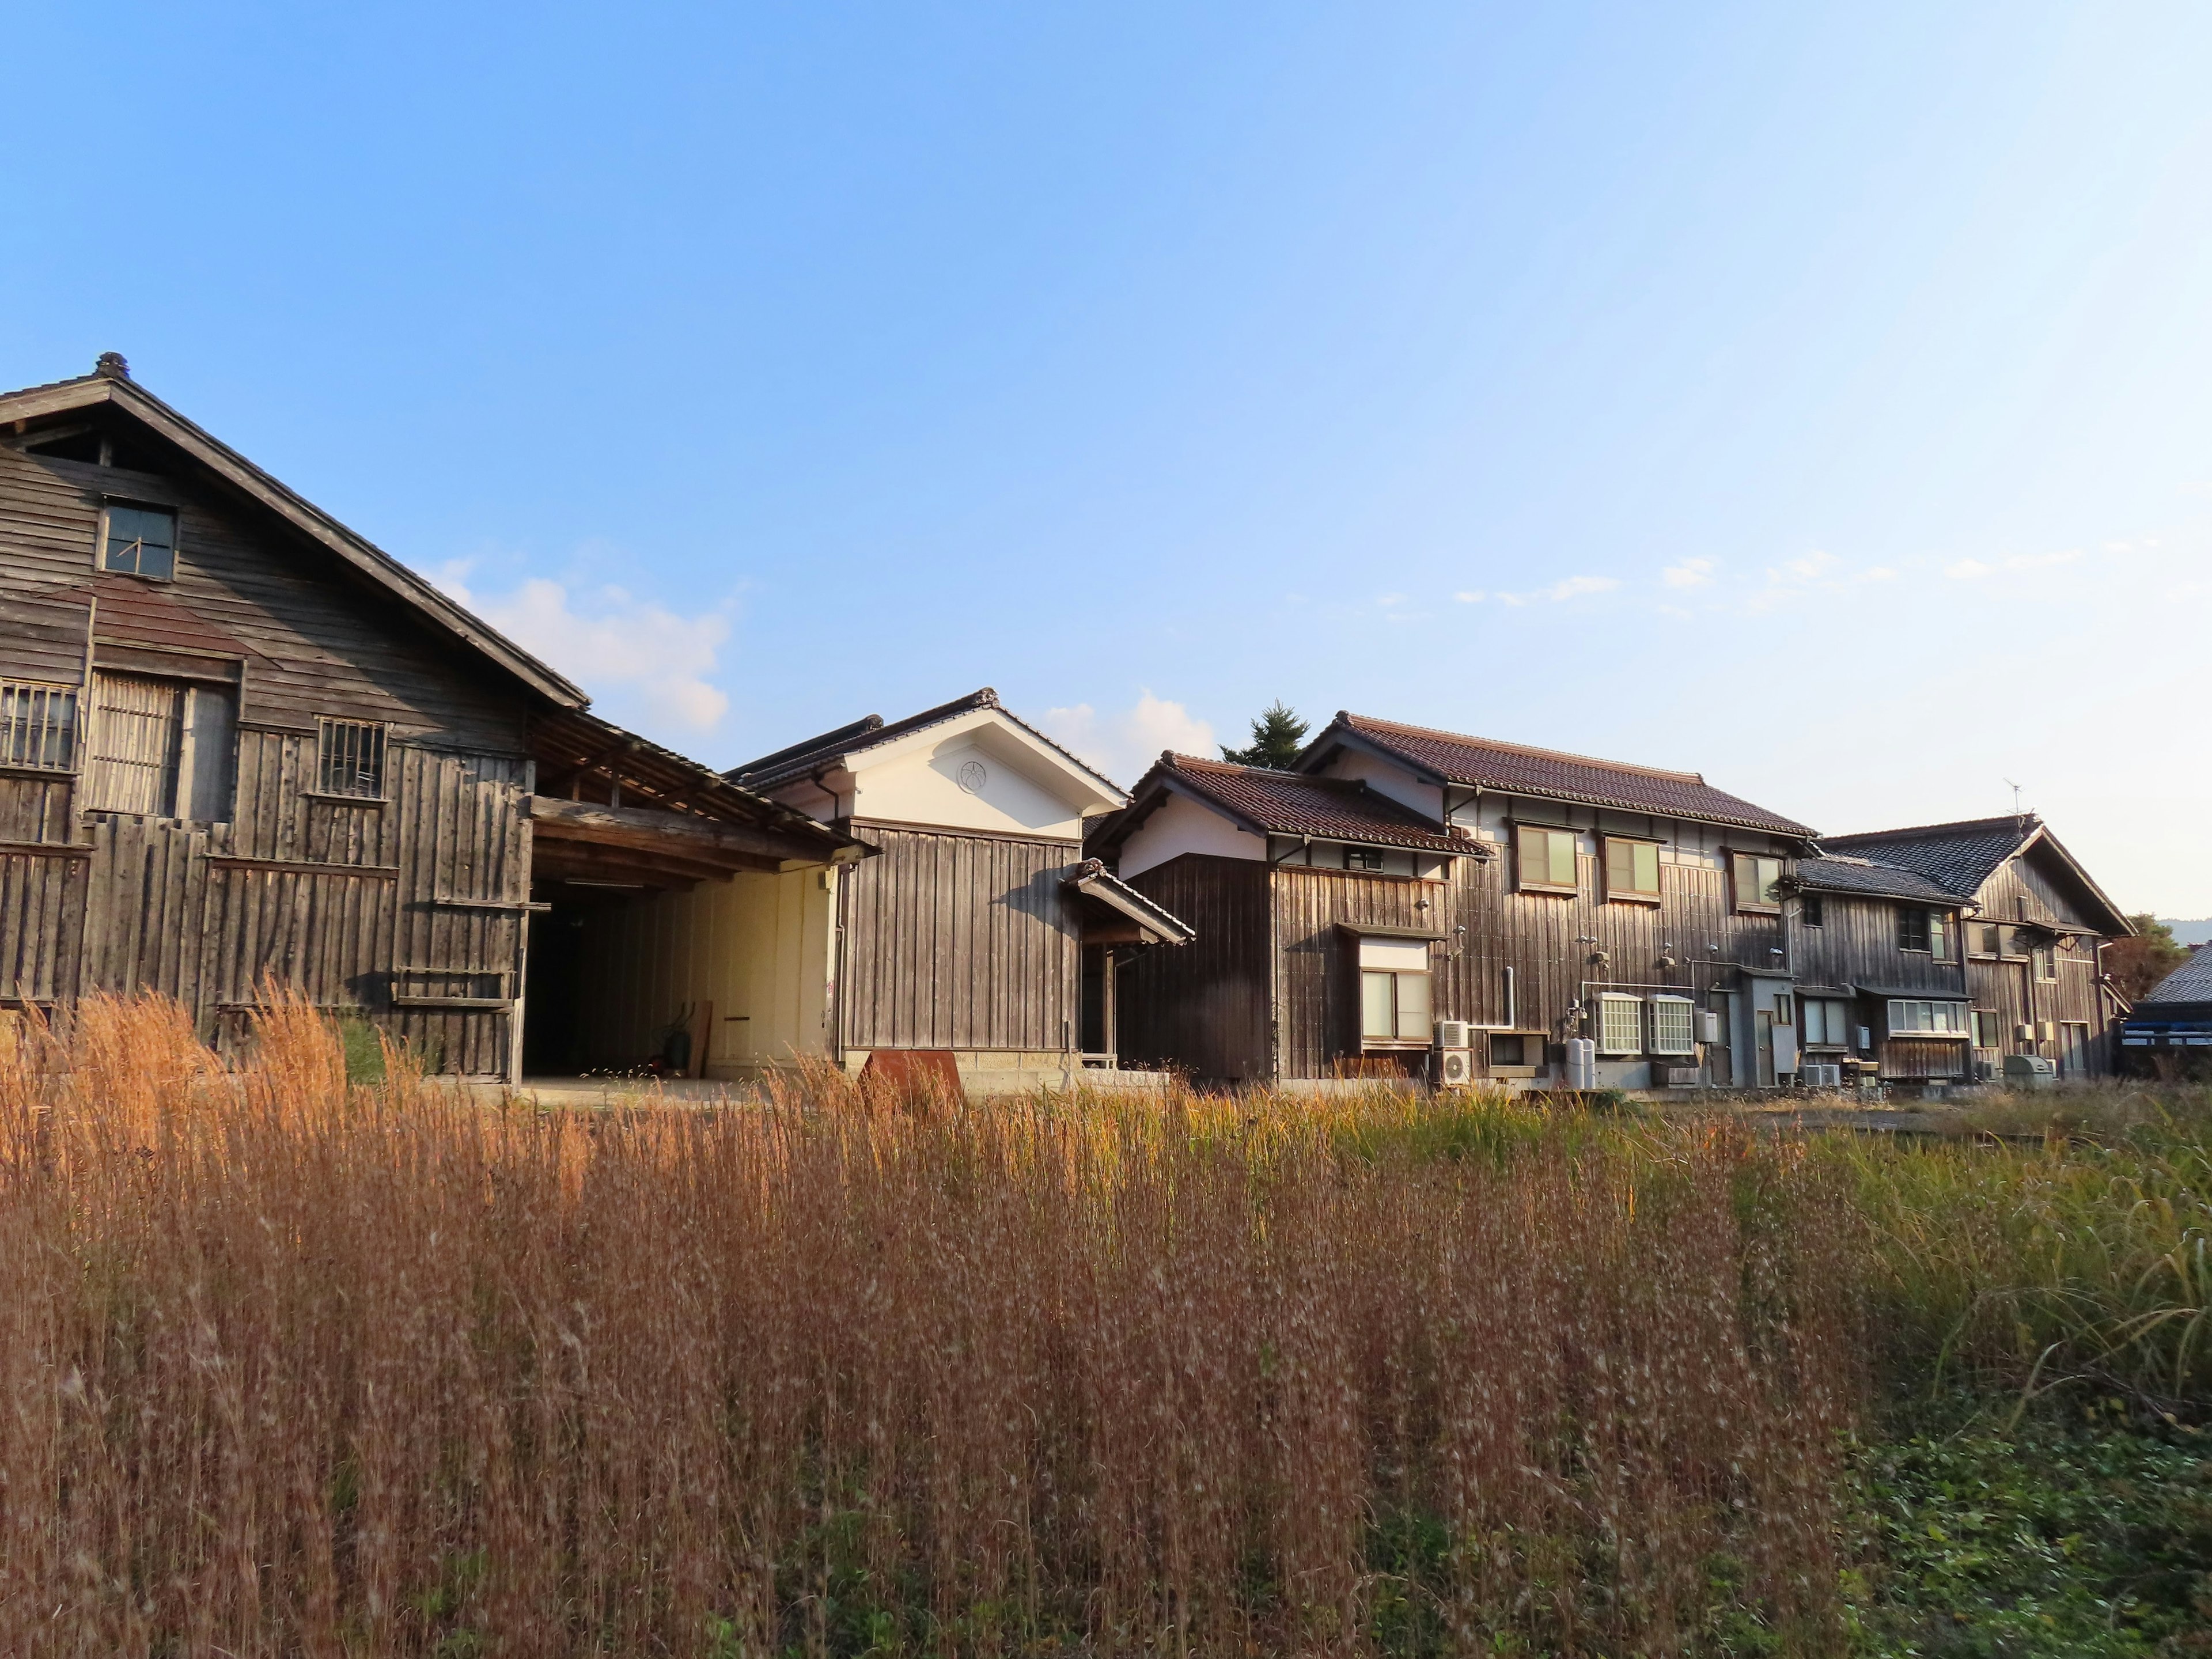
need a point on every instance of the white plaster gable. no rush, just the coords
(1387, 777)
(1179, 825)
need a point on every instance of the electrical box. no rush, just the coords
(1709, 1026)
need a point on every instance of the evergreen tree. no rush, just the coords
(1277, 737)
(2137, 964)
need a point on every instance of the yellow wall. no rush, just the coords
(756, 946)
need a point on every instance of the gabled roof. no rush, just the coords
(111, 388)
(2190, 983)
(1101, 886)
(1839, 873)
(1450, 757)
(1286, 804)
(1962, 856)
(817, 754)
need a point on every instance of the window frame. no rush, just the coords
(2041, 957)
(1523, 882)
(381, 733)
(1631, 845)
(1974, 1018)
(1890, 1017)
(1685, 1007)
(199, 766)
(1812, 910)
(1397, 1036)
(1369, 858)
(1761, 906)
(1629, 1024)
(108, 507)
(70, 727)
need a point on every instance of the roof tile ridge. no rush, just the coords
(1358, 722)
(2003, 820)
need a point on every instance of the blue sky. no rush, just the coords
(1820, 398)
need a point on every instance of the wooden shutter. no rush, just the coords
(138, 735)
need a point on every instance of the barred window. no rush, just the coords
(37, 725)
(349, 757)
(1620, 1025)
(1671, 1026)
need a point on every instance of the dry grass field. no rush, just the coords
(292, 1367)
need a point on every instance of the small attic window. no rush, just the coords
(139, 541)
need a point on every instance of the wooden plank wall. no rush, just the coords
(1204, 1006)
(955, 941)
(2026, 887)
(340, 899)
(1857, 944)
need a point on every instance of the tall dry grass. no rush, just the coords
(294, 1369)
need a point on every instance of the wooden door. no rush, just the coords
(137, 738)
(1720, 1056)
(2073, 1048)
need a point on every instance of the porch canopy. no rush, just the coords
(639, 815)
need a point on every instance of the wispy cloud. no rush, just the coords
(1123, 742)
(1691, 573)
(1470, 596)
(1573, 587)
(608, 640)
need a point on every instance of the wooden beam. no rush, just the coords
(612, 863)
(683, 835)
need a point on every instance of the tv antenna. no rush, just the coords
(2019, 815)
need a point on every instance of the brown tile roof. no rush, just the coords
(1517, 769)
(1292, 804)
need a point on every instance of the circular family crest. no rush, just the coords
(973, 777)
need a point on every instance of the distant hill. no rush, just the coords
(2191, 932)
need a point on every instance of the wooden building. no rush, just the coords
(238, 741)
(1878, 973)
(2034, 926)
(2168, 1034)
(1402, 876)
(965, 935)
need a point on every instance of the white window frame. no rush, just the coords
(1631, 845)
(1620, 1023)
(1904, 1013)
(1674, 1025)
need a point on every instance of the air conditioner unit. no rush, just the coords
(1709, 1026)
(1454, 1066)
(1451, 1034)
(1677, 1076)
(2045, 1030)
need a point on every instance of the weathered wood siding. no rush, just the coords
(2024, 888)
(1203, 1005)
(1857, 944)
(386, 907)
(959, 941)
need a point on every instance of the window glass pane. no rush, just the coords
(1413, 1004)
(1939, 935)
(1647, 868)
(1620, 1024)
(1619, 867)
(1563, 874)
(141, 540)
(1813, 912)
(1378, 1005)
(210, 748)
(1816, 1021)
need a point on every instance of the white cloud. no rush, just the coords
(1691, 573)
(608, 640)
(1967, 570)
(1124, 744)
(1471, 596)
(1575, 587)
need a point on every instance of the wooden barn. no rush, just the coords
(238, 741)
(2034, 926)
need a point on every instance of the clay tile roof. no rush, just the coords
(1292, 804)
(1546, 772)
(1958, 856)
(1839, 874)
